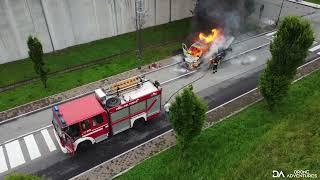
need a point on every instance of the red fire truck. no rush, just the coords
(109, 111)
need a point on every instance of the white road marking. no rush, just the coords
(49, 141)
(318, 53)
(173, 79)
(272, 33)
(26, 134)
(32, 147)
(3, 163)
(14, 154)
(314, 48)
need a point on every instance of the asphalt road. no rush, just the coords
(235, 77)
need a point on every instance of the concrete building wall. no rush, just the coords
(181, 8)
(64, 23)
(162, 11)
(39, 24)
(59, 22)
(106, 18)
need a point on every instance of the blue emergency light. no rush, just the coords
(56, 108)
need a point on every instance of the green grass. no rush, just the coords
(314, 1)
(22, 176)
(250, 144)
(56, 84)
(21, 70)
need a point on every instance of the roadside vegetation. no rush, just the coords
(250, 144)
(187, 116)
(86, 53)
(314, 1)
(36, 56)
(289, 49)
(21, 176)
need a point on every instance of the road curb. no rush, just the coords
(122, 163)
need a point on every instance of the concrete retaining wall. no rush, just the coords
(63, 23)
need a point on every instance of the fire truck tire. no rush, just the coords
(112, 102)
(84, 146)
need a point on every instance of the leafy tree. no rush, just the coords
(21, 176)
(288, 49)
(187, 116)
(36, 56)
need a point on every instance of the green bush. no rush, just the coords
(187, 116)
(289, 50)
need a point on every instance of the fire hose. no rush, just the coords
(205, 73)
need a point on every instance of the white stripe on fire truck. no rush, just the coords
(96, 130)
(14, 153)
(32, 147)
(3, 163)
(48, 140)
(314, 48)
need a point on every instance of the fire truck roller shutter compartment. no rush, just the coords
(138, 112)
(120, 120)
(153, 105)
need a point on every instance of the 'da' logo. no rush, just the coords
(277, 174)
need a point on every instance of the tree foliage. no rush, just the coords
(187, 116)
(288, 50)
(36, 56)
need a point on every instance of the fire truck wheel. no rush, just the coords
(139, 123)
(112, 102)
(84, 146)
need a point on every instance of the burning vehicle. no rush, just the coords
(206, 47)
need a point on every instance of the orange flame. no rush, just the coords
(195, 51)
(210, 38)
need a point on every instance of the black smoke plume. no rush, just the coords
(229, 15)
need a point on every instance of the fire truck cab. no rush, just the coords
(95, 117)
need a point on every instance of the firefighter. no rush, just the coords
(215, 63)
(210, 62)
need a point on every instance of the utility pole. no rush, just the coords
(140, 14)
(280, 13)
